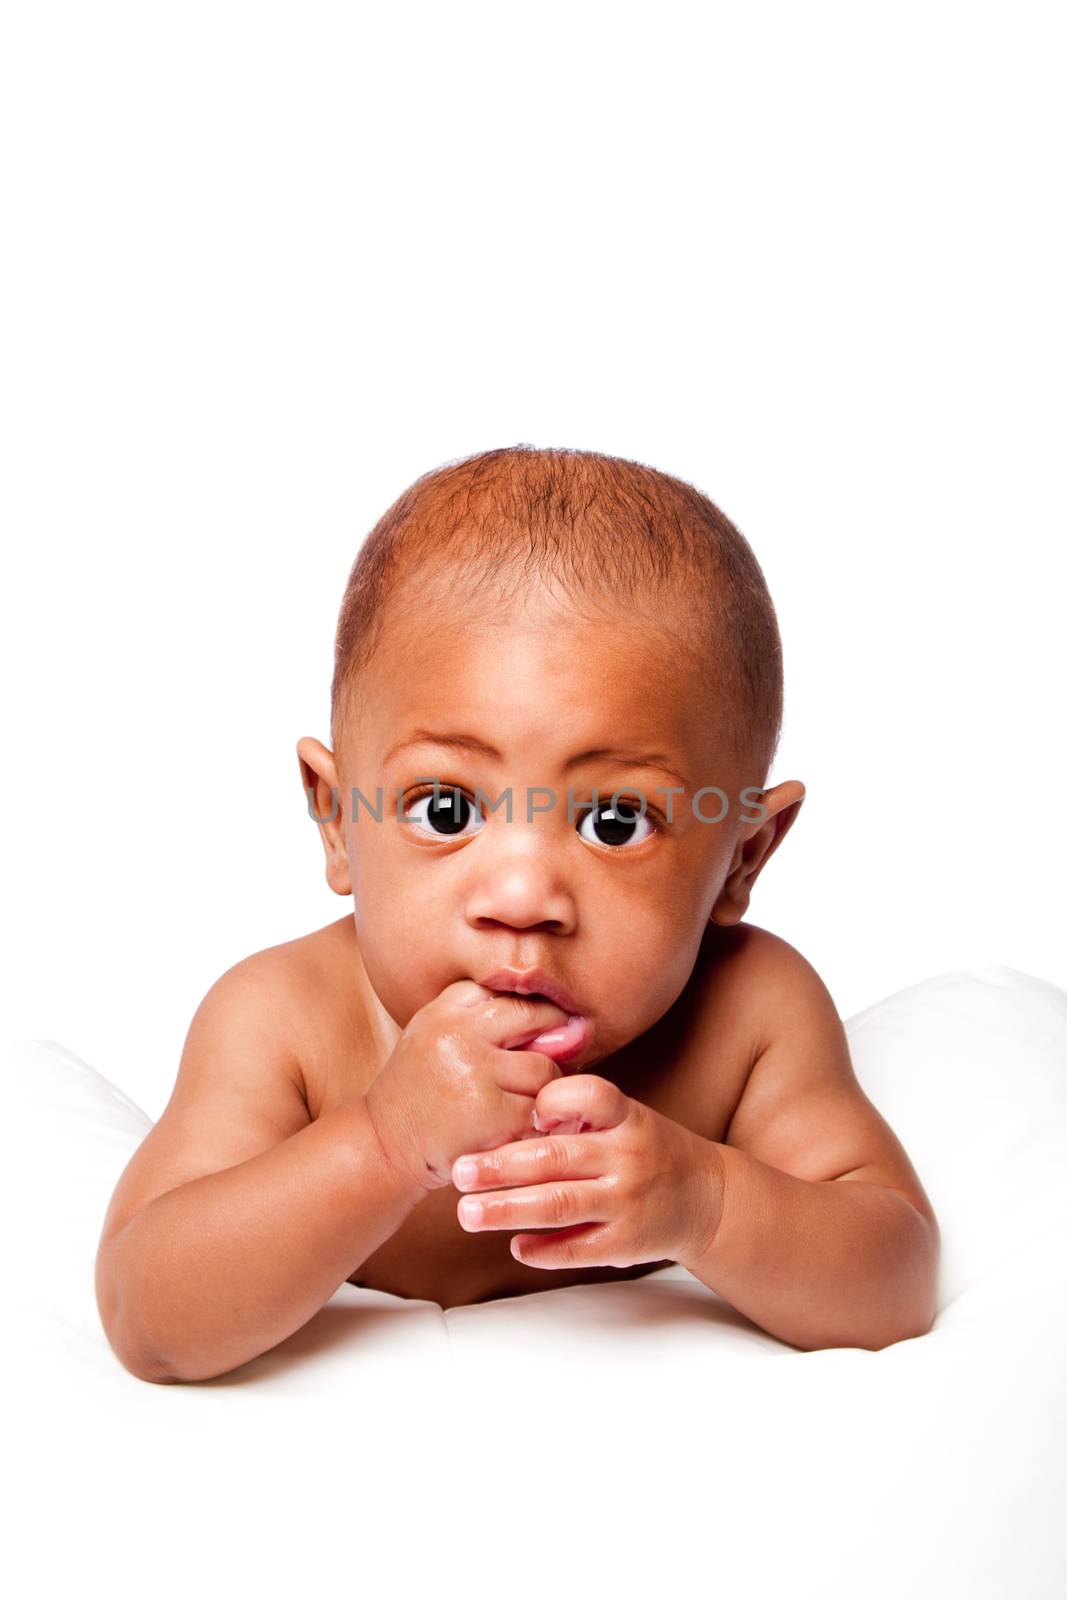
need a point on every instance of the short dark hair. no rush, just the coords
(598, 524)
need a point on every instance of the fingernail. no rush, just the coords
(470, 1212)
(466, 1172)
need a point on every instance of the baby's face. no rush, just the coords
(612, 907)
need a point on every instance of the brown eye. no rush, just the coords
(617, 826)
(445, 812)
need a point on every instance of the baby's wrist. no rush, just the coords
(395, 1151)
(705, 1201)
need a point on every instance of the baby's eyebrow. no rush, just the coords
(470, 742)
(452, 741)
(629, 758)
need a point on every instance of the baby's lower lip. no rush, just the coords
(562, 1043)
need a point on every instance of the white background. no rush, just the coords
(264, 265)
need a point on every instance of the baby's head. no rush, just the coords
(547, 635)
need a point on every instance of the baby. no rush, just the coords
(542, 1047)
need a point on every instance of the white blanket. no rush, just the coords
(617, 1438)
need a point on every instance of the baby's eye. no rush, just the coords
(617, 826)
(448, 812)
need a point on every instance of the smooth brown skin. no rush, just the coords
(329, 1085)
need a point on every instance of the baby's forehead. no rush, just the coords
(587, 643)
(539, 676)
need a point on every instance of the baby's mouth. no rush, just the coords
(562, 1044)
(563, 1041)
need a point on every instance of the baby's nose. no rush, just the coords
(523, 889)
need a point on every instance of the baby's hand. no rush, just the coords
(458, 1075)
(633, 1186)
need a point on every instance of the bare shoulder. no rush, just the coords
(303, 969)
(269, 995)
(743, 976)
(765, 978)
(802, 1108)
(239, 1086)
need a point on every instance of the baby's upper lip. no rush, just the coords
(532, 980)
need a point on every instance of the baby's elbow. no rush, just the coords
(149, 1365)
(870, 1337)
(139, 1360)
(913, 1321)
(128, 1345)
(151, 1371)
(884, 1342)
(144, 1360)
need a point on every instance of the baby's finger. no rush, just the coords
(508, 1020)
(524, 1072)
(532, 1160)
(588, 1244)
(583, 1095)
(518, 1122)
(545, 1205)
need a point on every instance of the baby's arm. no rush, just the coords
(826, 1236)
(238, 1217)
(809, 1217)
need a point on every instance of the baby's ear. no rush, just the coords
(325, 807)
(777, 809)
